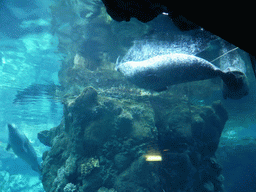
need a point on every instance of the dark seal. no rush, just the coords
(159, 72)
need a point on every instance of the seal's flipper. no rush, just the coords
(8, 147)
(235, 85)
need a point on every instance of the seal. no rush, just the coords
(235, 84)
(159, 72)
(22, 148)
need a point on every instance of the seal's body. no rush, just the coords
(159, 72)
(22, 147)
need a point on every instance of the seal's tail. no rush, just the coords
(235, 84)
(229, 78)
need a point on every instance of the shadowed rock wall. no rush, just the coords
(103, 142)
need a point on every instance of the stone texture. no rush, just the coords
(104, 143)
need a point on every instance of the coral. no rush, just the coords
(70, 166)
(70, 187)
(60, 175)
(87, 167)
(60, 179)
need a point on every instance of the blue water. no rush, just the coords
(29, 58)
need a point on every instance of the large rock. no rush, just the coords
(188, 137)
(104, 142)
(140, 176)
(207, 127)
(99, 136)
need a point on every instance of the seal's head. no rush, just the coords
(235, 85)
(12, 128)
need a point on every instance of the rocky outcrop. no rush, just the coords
(188, 138)
(104, 143)
(100, 139)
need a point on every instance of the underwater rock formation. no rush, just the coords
(102, 143)
(189, 138)
(100, 139)
(110, 127)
